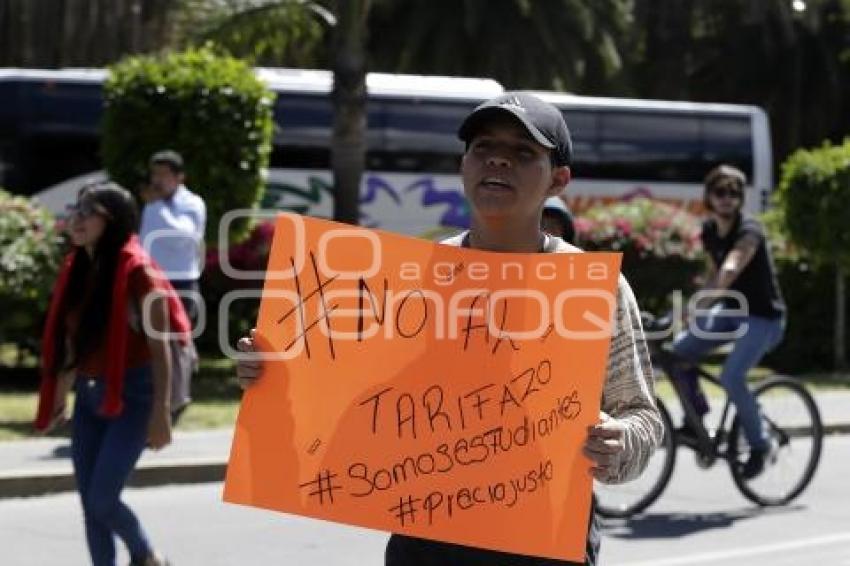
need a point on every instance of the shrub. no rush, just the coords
(30, 248)
(210, 108)
(660, 243)
(808, 288)
(809, 292)
(814, 200)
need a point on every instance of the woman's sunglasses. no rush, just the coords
(86, 209)
(724, 192)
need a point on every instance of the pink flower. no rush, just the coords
(583, 225)
(623, 226)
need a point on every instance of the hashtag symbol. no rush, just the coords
(323, 486)
(406, 509)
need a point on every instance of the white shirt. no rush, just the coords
(172, 232)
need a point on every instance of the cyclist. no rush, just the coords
(749, 312)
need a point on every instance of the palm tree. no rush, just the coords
(662, 47)
(243, 26)
(274, 33)
(348, 147)
(56, 33)
(749, 51)
(553, 44)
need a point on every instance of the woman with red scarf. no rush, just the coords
(107, 336)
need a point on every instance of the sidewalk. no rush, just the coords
(39, 466)
(43, 465)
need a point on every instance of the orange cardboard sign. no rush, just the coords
(426, 389)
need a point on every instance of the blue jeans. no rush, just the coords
(758, 337)
(104, 452)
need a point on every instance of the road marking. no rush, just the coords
(716, 557)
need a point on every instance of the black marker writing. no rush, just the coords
(323, 486)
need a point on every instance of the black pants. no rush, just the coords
(409, 551)
(189, 302)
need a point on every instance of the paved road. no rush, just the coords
(700, 520)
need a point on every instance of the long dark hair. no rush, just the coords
(95, 302)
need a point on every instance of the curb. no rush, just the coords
(35, 483)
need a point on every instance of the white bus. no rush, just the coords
(49, 138)
(626, 148)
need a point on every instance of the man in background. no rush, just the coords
(173, 223)
(172, 232)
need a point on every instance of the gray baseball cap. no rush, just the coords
(543, 121)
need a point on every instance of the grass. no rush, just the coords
(216, 398)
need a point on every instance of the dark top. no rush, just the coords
(757, 282)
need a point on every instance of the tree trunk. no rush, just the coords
(58, 33)
(348, 146)
(840, 319)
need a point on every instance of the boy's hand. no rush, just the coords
(604, 445)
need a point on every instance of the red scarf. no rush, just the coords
(131, 257)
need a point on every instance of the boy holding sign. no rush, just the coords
(518, 152)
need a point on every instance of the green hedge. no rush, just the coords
(30, 250)
(211, 108)
(810, 226)
(809, 293)
(814, 200)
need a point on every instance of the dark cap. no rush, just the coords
(168, 157)
(544, 122)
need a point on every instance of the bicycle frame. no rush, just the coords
(709, 446)
(790, 468)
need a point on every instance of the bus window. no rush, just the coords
(584, 131)
(64, 107)
(5, 163)
(414, 161)
(414, 125)
(650, 146)
(302, 120)
(50, 158)
(419, 136)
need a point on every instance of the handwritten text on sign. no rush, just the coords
(427, 389)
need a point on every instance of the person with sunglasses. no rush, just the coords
(745, 307)
(111, 314)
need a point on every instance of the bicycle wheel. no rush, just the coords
(627, 499)
(795, 433)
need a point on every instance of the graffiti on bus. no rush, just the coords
(414, 204)
(421, 204)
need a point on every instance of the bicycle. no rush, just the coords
(791, 418)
